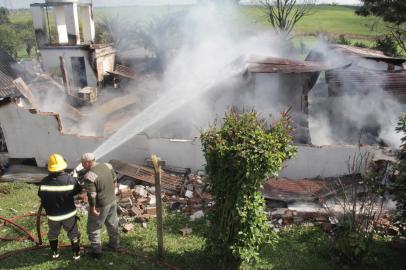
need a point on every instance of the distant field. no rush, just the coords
(330, 19)
(325, 19)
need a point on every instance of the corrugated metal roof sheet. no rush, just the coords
(367, 53)
(391, 82)
(281, 65)
(304, 189)
(7, 88)
(124, 72)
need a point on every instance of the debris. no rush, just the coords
(189, 194)
(128, 227)
(197, 215)
(151, 200)
(125, 192)
(143, 218)
(126, 203)
(185, 231)
(326, 226)
(135, 211)
(333, 220)
(140, 191)
(145, 174)
(151, 211)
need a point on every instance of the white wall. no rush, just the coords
(37, 136)
(50, 59)
(320, 162)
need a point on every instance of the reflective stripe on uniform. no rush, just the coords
(62, 217)
(57, 188)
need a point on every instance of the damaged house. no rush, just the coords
(363, 98)
(73, 55)
(67, 109)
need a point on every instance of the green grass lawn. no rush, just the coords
(305, 248)
(180, 251)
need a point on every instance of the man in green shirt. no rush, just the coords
(100, 180)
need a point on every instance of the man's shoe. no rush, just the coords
(54, 248)
(95, 255)
(76, 256)
(76, 249)
(113, 248)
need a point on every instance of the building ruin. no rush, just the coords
(76, 70)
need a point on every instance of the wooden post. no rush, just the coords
(65, 76)
(159, 220)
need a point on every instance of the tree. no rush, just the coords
(393, 14)
(25, 32)
(240, 156)
(112, 29)
(9, 40)
(161, 37)
(4, 13)
(285, 14)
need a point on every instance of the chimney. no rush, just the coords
(39, 22)
(86, 15)
(67, 21)
(72, 23)
(61, 24)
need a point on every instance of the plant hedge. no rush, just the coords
(241, 155)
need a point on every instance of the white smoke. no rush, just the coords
(362, 112)
(213, 53)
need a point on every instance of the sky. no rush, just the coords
(26, 3)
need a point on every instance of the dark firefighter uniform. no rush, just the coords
(56, 192)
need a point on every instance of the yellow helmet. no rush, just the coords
(56, 163)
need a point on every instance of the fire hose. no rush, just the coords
(38, 242)
(29, 236)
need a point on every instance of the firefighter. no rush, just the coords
(56, 192)
(100, 180)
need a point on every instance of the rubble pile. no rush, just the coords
(189, 194)
(284, 216)
(192, 199)
(136, 195)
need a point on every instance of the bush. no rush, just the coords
(360, 205)
(387, 45)
(399, 190)
(360, 44)
(240, 157)
(342, 40)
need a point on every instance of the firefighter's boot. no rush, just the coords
(54, 248)
(76, 248)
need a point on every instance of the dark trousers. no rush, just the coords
(69, 225)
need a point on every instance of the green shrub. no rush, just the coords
(399, 190)
(342, 40)
(240, 157)
(360, 44)
(387, 45)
